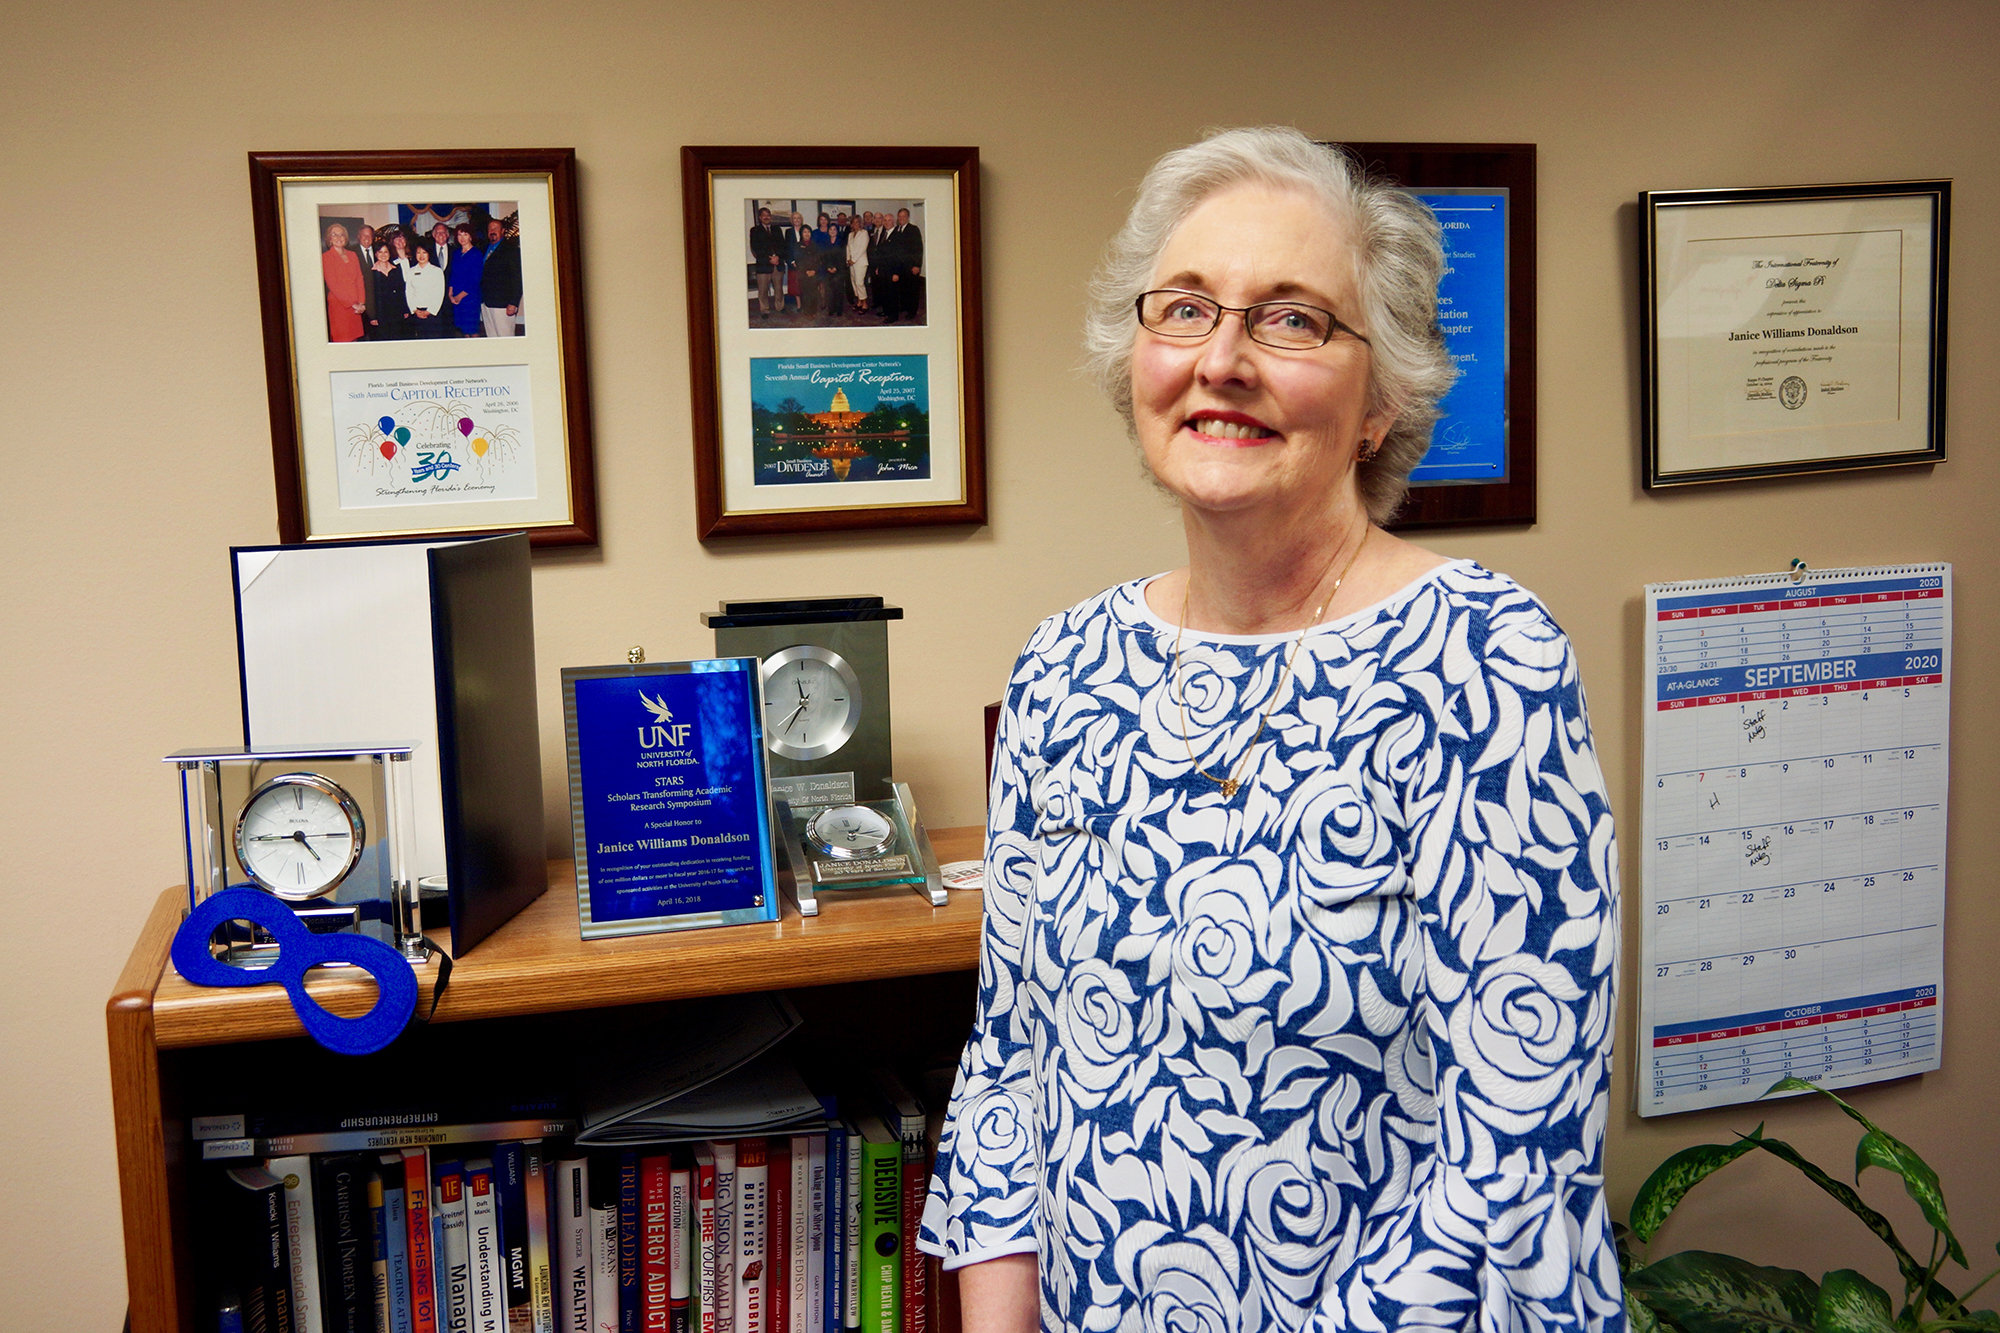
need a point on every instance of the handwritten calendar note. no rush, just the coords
(1793, 865)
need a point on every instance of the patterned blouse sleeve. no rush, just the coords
(1515, 877)
(982, 1193)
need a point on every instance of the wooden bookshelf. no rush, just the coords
(537, 964)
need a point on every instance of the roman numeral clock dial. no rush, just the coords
(298, 835)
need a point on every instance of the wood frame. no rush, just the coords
(724, 445)
(556, 353)
(1815, 218)
(1421, 166)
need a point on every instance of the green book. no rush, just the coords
(881, 1226)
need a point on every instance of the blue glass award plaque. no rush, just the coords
(668, 805)
(1469, 442)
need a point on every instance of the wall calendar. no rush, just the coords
(1793, 872)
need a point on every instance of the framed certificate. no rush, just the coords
(669, 808)
(1794, 330)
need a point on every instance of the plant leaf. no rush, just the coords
(1719, 1293)
(1906, 1263)
(1639, 1316)
(1891, 1154)
(1919, 1181)
(1850, 1303)
(1668, 1185)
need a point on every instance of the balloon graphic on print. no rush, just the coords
(479, 447)
(465, 425)
(388, 448)
(388, 424)
(402, 435)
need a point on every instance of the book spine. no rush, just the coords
(631, 1251)
(541, 1169)
(423, 1264)
(455, 1250)
(819, 1204)
(725, 1235)
(573, 1248)
(753, 1218)
(916, 1294)
(836, 1226)
(335, 1115)
(778, 1237)
(604, 1290)
(301, 1240)
(851, 1284)
(655, 1228)
(704, 1239)
(341, 1186)
(680, 1244)
(377, 1141)
(510, 1183)
(261, 1255)
(881, 1233)
(803, 1253)
(482, 1233)
(391, 1247)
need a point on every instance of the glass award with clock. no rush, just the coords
(322, 830)
(825, 671)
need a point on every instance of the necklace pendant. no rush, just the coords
(1228, 788)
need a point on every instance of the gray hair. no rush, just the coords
(1397, 262)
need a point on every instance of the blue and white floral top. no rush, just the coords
(1332, 1053)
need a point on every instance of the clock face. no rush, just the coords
(851, 830)
(299, 835)
(812, 702)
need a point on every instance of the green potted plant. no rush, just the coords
(1697, 1291)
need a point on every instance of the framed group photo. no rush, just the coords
(423, 344)
(1794, 329)
(834, 338)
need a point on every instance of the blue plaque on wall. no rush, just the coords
(1469, 442)
(669, 809)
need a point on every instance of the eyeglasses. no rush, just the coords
(1283, 324)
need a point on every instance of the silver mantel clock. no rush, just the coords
(825, 671)
(826, 692)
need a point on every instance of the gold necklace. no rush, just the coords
(1229, 784)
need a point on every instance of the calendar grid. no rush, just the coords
(1796, 768)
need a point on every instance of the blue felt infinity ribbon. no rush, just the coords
(299, 950)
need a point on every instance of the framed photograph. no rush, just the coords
(1794, 329)
(834, 338)
(425, 359)
(1480, 469)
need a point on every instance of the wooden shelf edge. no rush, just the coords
(144, 1147)
(538, 962)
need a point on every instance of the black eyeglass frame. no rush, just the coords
(1333, 324)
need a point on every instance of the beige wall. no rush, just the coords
(135, 440)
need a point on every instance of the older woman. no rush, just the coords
(1296, 988)
(346, 297)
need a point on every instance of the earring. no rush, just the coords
(1368, 451)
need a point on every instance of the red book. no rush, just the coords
(704, 1205)
(778, 1237)
(417, 1212)
(653, 1173)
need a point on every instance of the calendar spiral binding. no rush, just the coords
(1789, 576)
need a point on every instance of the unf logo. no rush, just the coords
(664, 733)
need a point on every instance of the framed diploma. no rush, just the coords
(668, 805)
(1794, 330)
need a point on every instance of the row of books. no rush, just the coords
(346, 1233)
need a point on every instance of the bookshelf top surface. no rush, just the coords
(538, 963)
